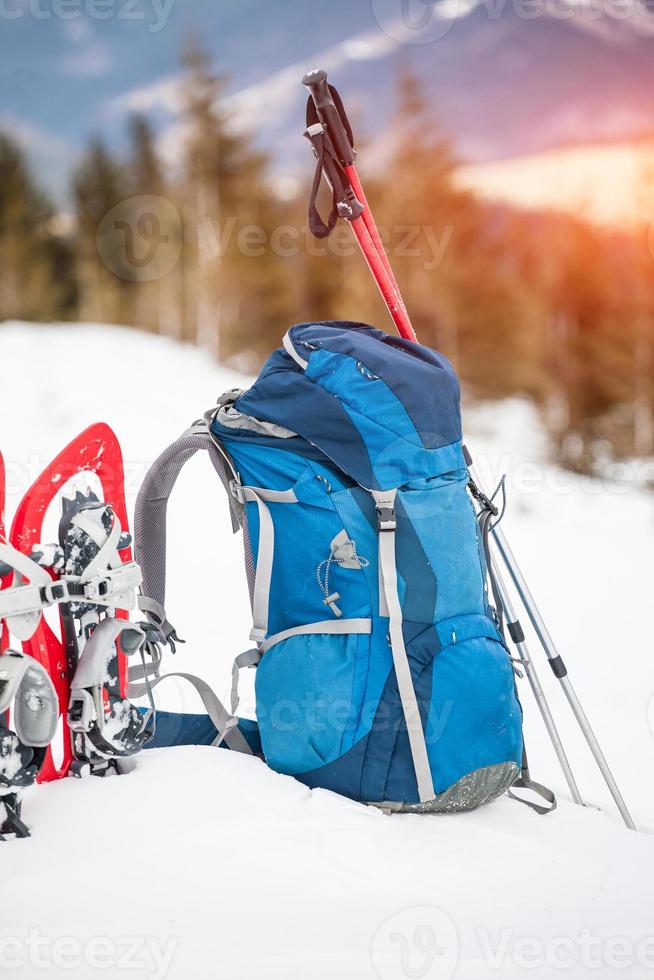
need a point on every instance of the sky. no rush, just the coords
(64, 79)
(504, 81)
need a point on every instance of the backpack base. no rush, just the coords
(472, 790)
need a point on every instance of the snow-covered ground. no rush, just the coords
(205, 864)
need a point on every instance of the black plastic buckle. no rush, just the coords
(481, 498)
(386, 520)
(54, 593)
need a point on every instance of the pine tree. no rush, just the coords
(206, 198)
(157, 293)
(100, 185)
(450, 252)
(36, 281)
(146, 174)
(235, 287)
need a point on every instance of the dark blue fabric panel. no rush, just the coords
(422, 650)
(388, 741)
(180, 728)
(292, 400)
(412, 564)
(388, 771)
(422, 379)
(341, 776)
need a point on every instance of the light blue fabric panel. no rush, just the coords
(309, 693)
(445, 524)
(474, 716)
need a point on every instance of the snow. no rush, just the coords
(204, 863)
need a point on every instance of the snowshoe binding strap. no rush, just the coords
(21, 606)
(105, 581)
(94, 581)
(115, 728)
(26, 685)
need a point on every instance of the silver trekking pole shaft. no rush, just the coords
(559, 670)
(516, 633)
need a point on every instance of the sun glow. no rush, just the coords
(609, 184)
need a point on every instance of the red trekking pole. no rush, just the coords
(330, 134)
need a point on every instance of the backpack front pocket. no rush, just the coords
(464, 685)
(475, 719)
(309, 692)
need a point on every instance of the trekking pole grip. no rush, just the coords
(329, 115)
(316, 81)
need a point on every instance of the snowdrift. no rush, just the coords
(205, 863)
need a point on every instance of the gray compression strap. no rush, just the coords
(265, 552)
(146, 671)
(525, 782)
(225, 724)
(385, 503)
(143, 672)
(152, 504)
(331, 626)
(250, 658)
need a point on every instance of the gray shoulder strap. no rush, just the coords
(152, 503)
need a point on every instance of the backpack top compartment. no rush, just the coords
(384, 410)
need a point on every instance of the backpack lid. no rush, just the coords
(384, 409)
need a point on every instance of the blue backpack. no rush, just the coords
(382, 673)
